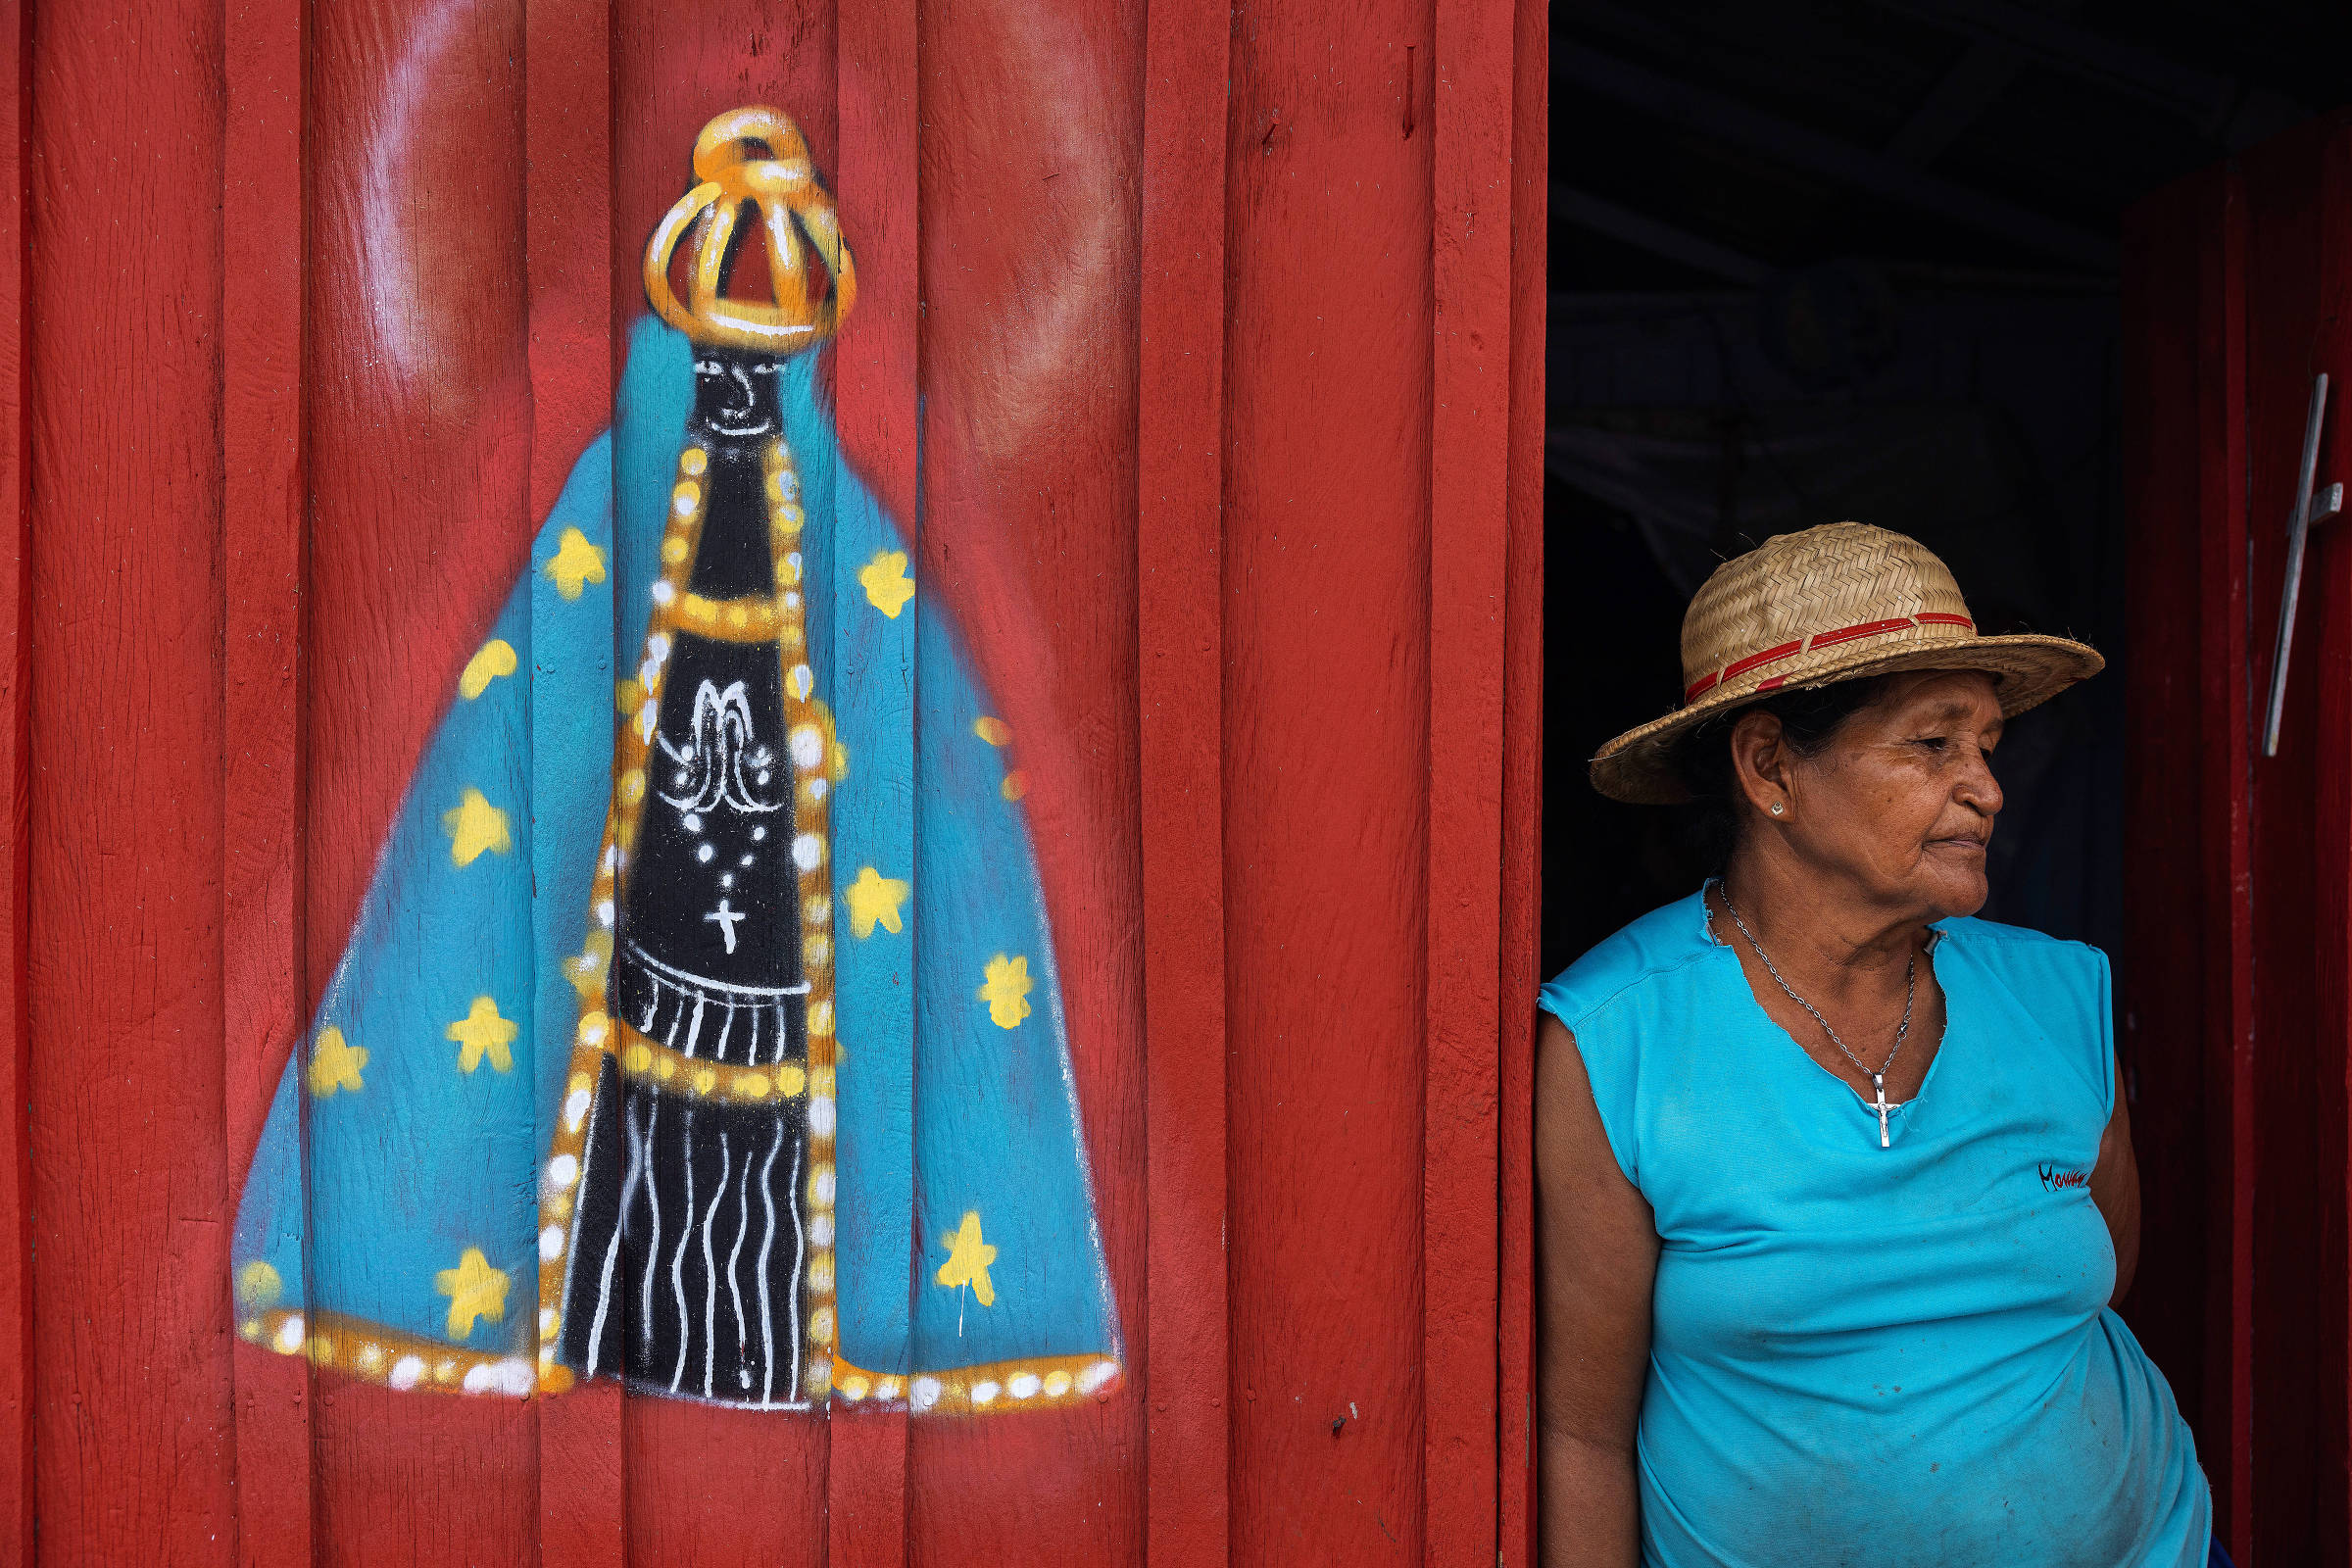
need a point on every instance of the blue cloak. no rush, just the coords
(406, 1246)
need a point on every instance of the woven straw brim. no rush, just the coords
(1638, 765)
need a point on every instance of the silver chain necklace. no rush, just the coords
(1878, 1079)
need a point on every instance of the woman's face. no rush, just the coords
(1901, 803)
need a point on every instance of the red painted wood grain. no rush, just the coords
(2279, 255)
(2162, 972)
(567, 226)
(1031, 147)
(265, 518)
(568, 234)
(131, 1185)
(2238, 986)
(1180, 634)
(1522, 792)
(1184, 439)
(2185, 974)
(2299, 856)
(1328, 376)
(715, 1488)
(2330, 1529)
(17, 1481)
(418, 427)
(417, 379)
(2229, 955)
(2334, 812)
(1469, 566)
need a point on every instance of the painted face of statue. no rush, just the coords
(735, 394)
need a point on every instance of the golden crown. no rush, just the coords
(754, 159)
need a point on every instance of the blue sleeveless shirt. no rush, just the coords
(1881, 1355)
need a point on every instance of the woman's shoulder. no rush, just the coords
(2061, 990)
(1648, 951)
(2016, 952)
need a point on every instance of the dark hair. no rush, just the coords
(1809, 716)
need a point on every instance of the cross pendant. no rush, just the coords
(1877, 1081)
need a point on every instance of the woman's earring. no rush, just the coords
(1776, 808)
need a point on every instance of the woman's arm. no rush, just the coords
(2114, 1186)
(1598, 1252)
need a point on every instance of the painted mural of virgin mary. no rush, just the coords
(714, 995)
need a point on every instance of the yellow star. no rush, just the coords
(887, 587)
(335, 1065)
(874, 896)
(473, 825)
(587, 971)
(576, 563)
(474, 1290)
(480, 1030)
(968, 1258)
(496, 658)
(1007, 991)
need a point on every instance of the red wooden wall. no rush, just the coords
(1221, 329)
(2236, 989)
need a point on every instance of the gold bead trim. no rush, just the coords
(361, 1349)
(356, 1348)
(649, 1061)
(732, 621)
(1032, 1383)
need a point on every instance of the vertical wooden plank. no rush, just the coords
(2336, 818)
(417, 429)
(2227, 841)
(2276, 288)
(1327, 698)
(132, 1194)
(1032, 147)
(2331, 1526)
(418, 403)
(17, 1493)
(568, 230)
(569, 244)
(875, 365)
(1522, 786)
(1181, 643)
(2298, 858)
(2164, 969)
(265, 518)
(1469, 559)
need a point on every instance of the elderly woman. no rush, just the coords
(1836, 1183)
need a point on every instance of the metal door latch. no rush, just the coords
(2309, 508)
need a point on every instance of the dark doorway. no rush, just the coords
(1813, 261)
(1819, 260)
(1684, 429)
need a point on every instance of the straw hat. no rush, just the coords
(1835, 603)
